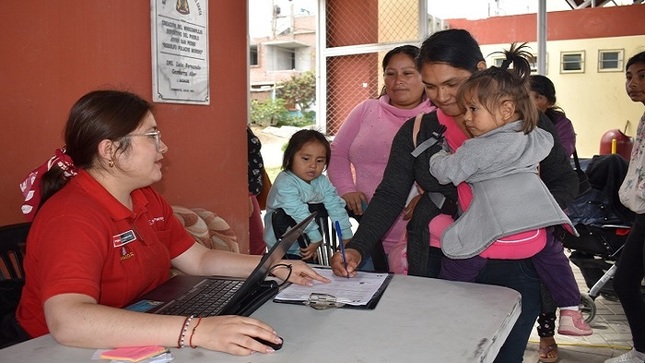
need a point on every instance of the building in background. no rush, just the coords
(282, 44)
(586, 52)
(588, 44)
(586, 48)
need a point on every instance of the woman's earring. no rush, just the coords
(111, 163)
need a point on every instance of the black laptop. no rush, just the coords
(209, 296)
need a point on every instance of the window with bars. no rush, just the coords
(610, 60)
(572, 62)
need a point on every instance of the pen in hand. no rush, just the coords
(341, 245)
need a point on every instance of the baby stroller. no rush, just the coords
(603, 224)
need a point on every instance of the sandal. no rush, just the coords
(543, 353)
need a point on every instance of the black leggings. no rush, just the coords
(628, 280)
(546, 319)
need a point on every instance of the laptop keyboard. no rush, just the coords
(209, 301)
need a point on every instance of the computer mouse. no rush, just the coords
(273, 345)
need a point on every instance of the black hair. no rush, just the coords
(542, 85)
(455, 47)
(298, 140)
(495, 85)
(98, 115)
(636, 58)
(411, 51)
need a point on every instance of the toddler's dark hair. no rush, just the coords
(298, 140)
(495, 85)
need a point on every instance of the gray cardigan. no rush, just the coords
(508, 195)
(403, 170)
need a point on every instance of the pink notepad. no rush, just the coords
(133, 354)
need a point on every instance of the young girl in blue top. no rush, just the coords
(301, 183)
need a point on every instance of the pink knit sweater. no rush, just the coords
(361, 148)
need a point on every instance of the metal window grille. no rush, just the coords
(572, 62)
(354, 35)
(610, 60)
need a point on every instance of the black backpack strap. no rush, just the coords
(436, 136)
(438, 199)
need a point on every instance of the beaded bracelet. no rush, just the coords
(190, 341)
(181, 341)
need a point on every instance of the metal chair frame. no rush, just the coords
(330, 242)
(13, 239)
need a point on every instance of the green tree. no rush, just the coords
(269, 112)
(300, 90)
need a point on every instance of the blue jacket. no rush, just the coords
(293, 195)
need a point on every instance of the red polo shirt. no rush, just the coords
(84, 241)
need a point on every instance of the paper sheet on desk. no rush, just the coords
(357, 290)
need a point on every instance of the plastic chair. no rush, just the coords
(330, 244)
(12, 250)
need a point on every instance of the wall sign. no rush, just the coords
(180, 51)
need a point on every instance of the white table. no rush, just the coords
(417, 320)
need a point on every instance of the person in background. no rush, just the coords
(446, 59)
(300, 184)
(256, 170)
(500, 164)
(543, 94)
(631, 263)
(102, 236)
(362, 145)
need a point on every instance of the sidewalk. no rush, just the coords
(273, 139)
(611, 335)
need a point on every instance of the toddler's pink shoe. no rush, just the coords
(572, 323)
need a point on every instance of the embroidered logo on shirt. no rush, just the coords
(125, 254)
(156, 219)
(123, 238)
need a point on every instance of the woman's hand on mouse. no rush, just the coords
(232, 334)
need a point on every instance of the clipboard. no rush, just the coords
(321, 299)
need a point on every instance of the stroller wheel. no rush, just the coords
(587, 307)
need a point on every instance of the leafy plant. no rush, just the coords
(269, 113)
(300, 90)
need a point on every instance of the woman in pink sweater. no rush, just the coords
(361, 147)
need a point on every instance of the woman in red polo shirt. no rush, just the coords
(102, 237)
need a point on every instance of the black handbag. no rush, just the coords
(583, 180)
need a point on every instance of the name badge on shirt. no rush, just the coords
(123, 238)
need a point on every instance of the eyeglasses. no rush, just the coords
(156, 135)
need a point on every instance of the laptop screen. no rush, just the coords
(249, 291)
(184, 292)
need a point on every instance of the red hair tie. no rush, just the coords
(30, 187)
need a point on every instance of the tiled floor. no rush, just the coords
(611, 335)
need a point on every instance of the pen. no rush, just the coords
(342, 245)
